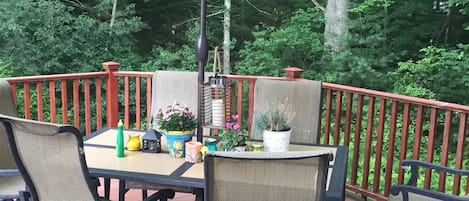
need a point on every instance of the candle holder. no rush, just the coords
(216, 103)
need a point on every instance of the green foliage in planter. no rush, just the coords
(276, 117)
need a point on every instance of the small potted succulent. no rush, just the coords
(233, 138)
(275, 124)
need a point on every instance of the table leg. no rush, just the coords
(199, 194)
(121, 190)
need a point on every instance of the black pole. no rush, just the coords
(201, 51)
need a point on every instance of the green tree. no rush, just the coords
(298, 42)
(47, 37)
(441, 73)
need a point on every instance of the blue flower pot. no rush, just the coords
(177, 143)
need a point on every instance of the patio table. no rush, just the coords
(160, 168)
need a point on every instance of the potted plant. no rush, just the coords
(178, 125)
(233, 138)
(275, 124)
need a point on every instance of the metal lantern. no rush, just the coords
(216, 103)
(151, 141)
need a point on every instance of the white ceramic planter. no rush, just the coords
(276, 141)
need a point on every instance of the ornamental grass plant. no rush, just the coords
(277, 117)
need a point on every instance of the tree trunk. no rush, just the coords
(226, 37)
(336, 28)
(113, 17)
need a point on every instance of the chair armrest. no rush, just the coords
(414, 164)
(408, 189)
(10, 172)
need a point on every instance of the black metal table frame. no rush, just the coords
(336, 189)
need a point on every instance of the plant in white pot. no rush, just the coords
(275, 124)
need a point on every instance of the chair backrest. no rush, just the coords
(305, 99)
(170, 86)
(7, 107)
(50, 158)
(174, 86)
(260, 176)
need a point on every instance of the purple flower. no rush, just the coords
(228, 125)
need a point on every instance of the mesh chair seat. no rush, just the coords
(257, 176)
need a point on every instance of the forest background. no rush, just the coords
(418, 48)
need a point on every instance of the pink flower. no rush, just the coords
(228, 125)
(180, 123)
(236, 126)
(235, 117)
(189, 114)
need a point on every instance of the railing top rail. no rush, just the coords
(133, 73)
(38, 78)
(398, 97)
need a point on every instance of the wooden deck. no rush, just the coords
(136, 195)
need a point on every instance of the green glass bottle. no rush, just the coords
(120, 139)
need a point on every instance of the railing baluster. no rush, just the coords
(327, 123)
(404, 137)
(379, 144)
(27, 101)
(356, 144)
(63, 87)
(240, 103)
(431, 146)
(390, 156)
(148, 99)
(53, 109)
(40, 107)
(368, 139)
(76, 104)
(126, 102)
(445, 149)
(99, 111)
(459, 152)
(338, 110)
(137, 103)
(348, 118)
(418, 133)
(87, 109)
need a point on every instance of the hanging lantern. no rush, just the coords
(216, 103)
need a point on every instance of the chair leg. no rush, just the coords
(144, 194)
(122, 190)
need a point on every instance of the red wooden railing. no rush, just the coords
(381, 129)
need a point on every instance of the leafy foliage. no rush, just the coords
(440, 74)
(233, 135)
(298, 42)
(47, 37)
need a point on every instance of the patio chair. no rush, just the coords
(168, 87)
(48, 153)
(258, 176)
(11, 181)
(305, 99)
(409, 192)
